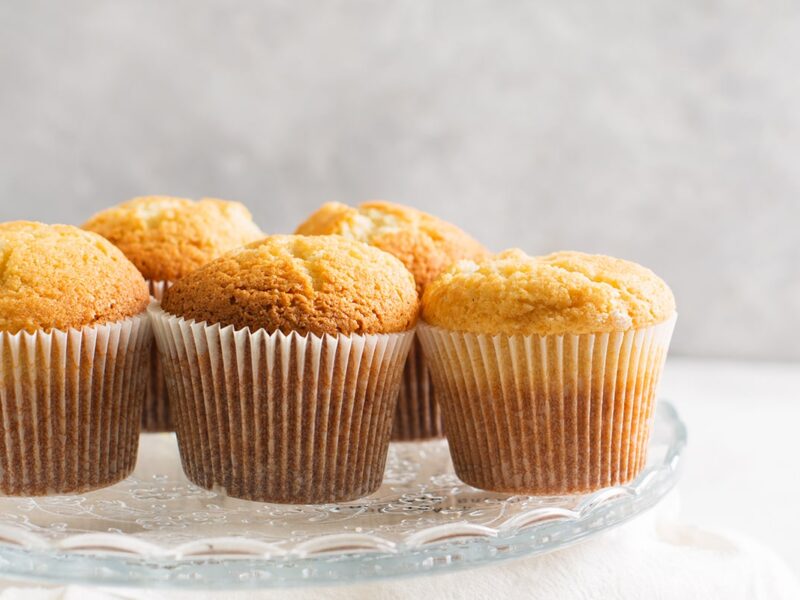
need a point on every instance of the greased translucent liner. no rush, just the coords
(281, 418)
(71, 406)
(156, 412)
(547, 415)
(418, 416)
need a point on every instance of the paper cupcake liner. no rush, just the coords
(281, 418)
(71, 406)
(547, 415)
(156, 415)
(418, 416)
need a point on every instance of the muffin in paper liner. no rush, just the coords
(417, 416)
(547, 415)
(71, 406)
(298, 419)
(156, 416)
(426, 245)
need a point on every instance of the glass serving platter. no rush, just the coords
(156, 529)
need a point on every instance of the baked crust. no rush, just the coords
(59, 276)
(561, 293)
(425, 244)
(167, 237)
(316, 284)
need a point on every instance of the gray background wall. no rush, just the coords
(664, 132)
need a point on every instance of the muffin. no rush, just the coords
(547, 368)
(283, 360)
(74, 360)
(427, 246)
(167, 238)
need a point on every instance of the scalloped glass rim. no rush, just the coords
(500, 528)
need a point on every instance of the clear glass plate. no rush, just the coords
(157, 529)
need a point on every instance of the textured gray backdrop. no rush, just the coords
(664, 132)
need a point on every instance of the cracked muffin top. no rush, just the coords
(59, 276)
(425, 244)
(307, 284)
(167, 238)
(561, 293)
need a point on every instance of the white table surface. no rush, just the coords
(742, 468)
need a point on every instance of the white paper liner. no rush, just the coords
(547, 415)
(418, 416)
(281, 418)
(71, 406)
(156, 414)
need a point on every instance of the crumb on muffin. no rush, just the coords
(61, 277)
(425, 244)
(561, 293)
(308, 284)
(167, 237)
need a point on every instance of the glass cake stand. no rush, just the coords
(156, 529)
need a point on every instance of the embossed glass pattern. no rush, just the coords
(157, 529)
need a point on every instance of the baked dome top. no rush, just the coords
(307, 284)
(425, 244)
(561, 293)
(59, 276)
(167, 237)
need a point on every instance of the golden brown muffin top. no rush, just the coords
(426, 244)
(59, 276)
(166, 237)
(318, 284)
(565, 292)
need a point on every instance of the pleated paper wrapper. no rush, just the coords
(156, 415)
(547, 415)
(418, 416)
(71, 406)
(281, 418)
